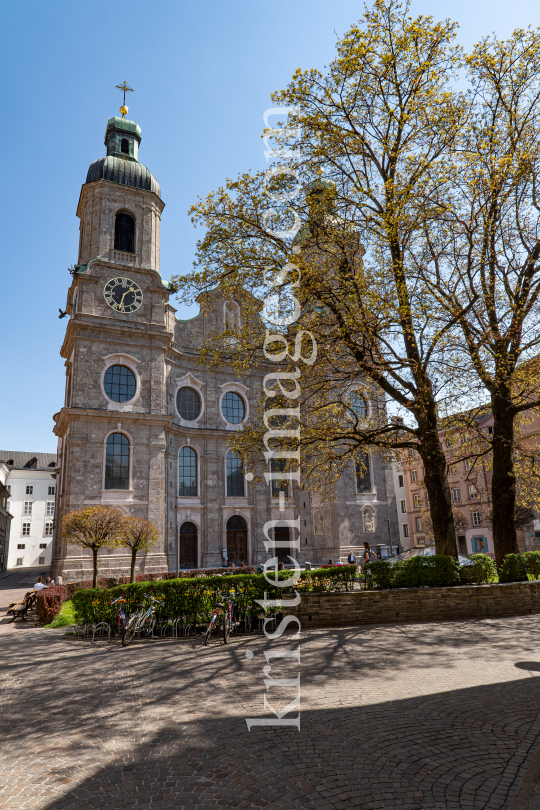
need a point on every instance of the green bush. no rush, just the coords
(513, 569)
(532, 561)
(195, 598)
(438, 571)
(482, 571)
(380, 574)
(325, 580)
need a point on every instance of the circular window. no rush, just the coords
(233, 408)
(120, 383)
(188, 404)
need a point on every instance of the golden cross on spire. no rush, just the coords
(124, 88)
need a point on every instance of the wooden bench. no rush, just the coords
(20, 609)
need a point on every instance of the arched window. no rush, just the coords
(363, 474)
(188, 545)
(117, 462)
(236, 540)
(279, 465)
(188, 403)
(235, 475)
(233, 408)
(124, 233)
(187, 472)
(358, 405)
(124, 146)
(119, 383)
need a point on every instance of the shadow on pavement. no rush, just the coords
(162, 724)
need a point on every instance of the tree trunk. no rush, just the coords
(503, 483)
(94, 555)
(133, 560)
(438, 491)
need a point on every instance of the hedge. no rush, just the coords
(481, 572)
(194, 598)
(111, 582)
(436, 572)
(513, 569)
(49, 603)
(532, 561)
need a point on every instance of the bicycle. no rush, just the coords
(121, 616)
(144, 616)
(222, 618)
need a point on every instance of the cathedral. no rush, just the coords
(146, 428)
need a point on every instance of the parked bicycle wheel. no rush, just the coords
(129, 630)
(226, 628)
(209, 630)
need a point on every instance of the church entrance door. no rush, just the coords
(188, 545)
(237, 540)
(282, 533)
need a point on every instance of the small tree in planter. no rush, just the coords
(138, 534)
(93, 527)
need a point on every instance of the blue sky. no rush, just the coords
(203, 73)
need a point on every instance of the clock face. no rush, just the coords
(123, 295)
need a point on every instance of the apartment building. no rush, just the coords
(470, 488)
(31, 485)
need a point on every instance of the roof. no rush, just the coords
(21, 460)
(123, 123)
(124, 172)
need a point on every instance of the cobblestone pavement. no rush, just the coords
(411, 716)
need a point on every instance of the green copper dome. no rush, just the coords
(122, 139)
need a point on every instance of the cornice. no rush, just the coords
(68, 415)
(111, 330)
(96, 185)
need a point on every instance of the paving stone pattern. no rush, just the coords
(406, 716)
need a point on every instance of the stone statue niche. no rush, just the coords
(231, 320)
(369, 525)
(319, 523)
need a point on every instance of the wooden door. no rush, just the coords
(237, 546)
(282, 533)
(188, 546)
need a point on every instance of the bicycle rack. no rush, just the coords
(265, 619)
(167, 628)
(100, 630)
(188, 627)
(176, 622)
(79, 630)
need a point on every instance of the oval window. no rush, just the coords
(188, 404)
(119, 383)
(233, 408)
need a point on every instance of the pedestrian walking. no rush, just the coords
(369, 554)
(351, 559)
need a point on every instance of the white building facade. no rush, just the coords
(31, 484)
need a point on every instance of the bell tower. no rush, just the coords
(112, 428)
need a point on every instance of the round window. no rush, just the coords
(233, 408)
(188, 404)
(119, 383)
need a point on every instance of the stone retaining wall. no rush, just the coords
(417, 604)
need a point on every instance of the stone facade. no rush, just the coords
(161, 353)
(417, 604)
